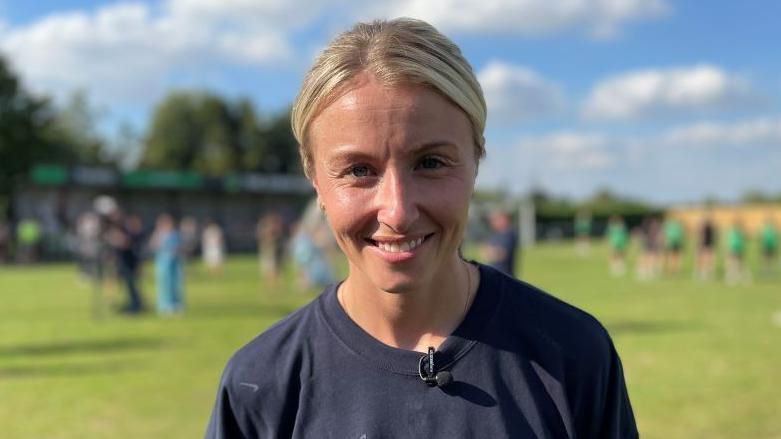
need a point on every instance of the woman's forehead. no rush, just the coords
(369, 101)
(398, 119)
(366, 92)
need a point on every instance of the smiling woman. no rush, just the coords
(395, 169)
(416, 341)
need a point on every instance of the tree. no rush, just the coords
(605, 203)
(125, 148)
(175, 135)
(73, 129)
(195, 131)
(757, 196)
(26, 131)
(252, 143)
(281, 148)
(32, 131)
(208, 134)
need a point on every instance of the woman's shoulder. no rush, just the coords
(279, 346)
(539, 319)
(265, 373)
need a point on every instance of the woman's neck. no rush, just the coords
(417, 318)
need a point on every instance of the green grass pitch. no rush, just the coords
(702, 359)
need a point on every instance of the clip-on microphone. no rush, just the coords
(439, 379)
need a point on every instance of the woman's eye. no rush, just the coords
(359, 171)
(431, 163)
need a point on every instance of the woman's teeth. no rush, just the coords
(395, 247)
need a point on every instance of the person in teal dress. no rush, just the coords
(310, 248)
(168, 266)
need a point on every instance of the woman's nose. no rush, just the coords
(396, 202)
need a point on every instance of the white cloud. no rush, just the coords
(599, 18)
(683, 163)
(133, 49)
(129, 50)
(662, 91)
(259, 14)
(515, 93)
(570, 163)
(570, 150)
(762, 131)
(588, 150)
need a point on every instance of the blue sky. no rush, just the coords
(668, 101)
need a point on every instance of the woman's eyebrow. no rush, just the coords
(346, 153)
(433, 145)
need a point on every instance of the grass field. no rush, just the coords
(702, 359)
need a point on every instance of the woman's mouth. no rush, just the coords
(398, 245)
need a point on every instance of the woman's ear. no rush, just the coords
(319, 200)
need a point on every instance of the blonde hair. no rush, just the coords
(399, 51)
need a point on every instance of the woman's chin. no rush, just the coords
(398, 283)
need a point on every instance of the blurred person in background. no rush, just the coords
(735, 270)
(5, 242)
(673, 245)
(706, 248)
(649, 260)
(768, 244)
(188, 230)
(582, 227)
(28, 240)
(103, 262)
(416, 342)
(269, 234)
(617, 238)
(87, 245)
(213, 247)
(502, 246)
(124, 237)
(166, 243)
(134, 225)
(310, 249)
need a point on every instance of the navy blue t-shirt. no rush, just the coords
(524, 365)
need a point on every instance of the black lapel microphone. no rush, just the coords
(427, 372)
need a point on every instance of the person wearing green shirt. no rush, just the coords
(768, 242)
(736, 247)
(617, 238)
(28, 236)
(673, 244)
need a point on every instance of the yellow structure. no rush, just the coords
(751, 216)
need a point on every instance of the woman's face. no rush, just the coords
(395, 168)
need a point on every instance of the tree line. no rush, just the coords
(204, 132)
(188, 130)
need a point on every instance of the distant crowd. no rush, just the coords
(109, 243)
(662, 246)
